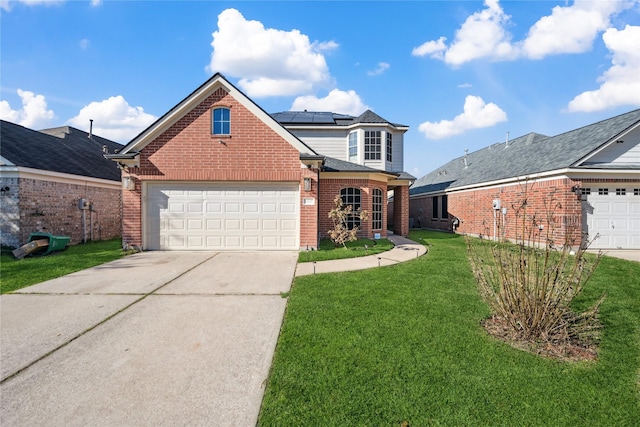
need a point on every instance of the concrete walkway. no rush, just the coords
(404, 250)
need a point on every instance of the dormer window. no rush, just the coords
(372, 145)
(221, 121)
(353, 147)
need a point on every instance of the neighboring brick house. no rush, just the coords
(593, 171)
(217, 172)
(43, 176)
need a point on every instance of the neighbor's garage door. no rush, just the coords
(613, 213)
(222, 216)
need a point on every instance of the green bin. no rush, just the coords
(56, 243)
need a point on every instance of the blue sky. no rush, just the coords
(459, 74)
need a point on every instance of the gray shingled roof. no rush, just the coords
(325, 118)
(526, 155)
(335, 165)
(64, 150)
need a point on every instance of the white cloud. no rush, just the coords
(465, 85)
(482, 35)
(382, 67)
(6, 4)
(620, 84)
(435, 48)
(33, 114)
(84, 44)
(96, 3)
(270, 62)
(113, 118)
(337, 101)
(477, 114)
(569, 29)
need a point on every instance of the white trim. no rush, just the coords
(195, 99)
(607, 144)
(349, 128)
(64, 178)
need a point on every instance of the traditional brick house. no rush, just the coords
(43, 176)
(217, 172)
(593, 172)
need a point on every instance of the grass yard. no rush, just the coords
(16, 274)
(404, 344)
(328, 250)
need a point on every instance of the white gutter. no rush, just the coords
(65, 178)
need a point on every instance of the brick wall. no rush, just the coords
(309, 212)
(547, 200)
(52, 207)
(421, 211)
(187, 151)
(401, 211)
(329, 188)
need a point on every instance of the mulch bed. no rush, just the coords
(561, 350)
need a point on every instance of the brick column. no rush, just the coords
(401, 211)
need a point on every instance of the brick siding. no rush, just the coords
(329, 188)
(32, 205)
(475, 211)
(187, 151)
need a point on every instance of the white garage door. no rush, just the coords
(222, 216)
(613, 213)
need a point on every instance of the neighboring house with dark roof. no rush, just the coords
(593, 171)
(43, 176)
(217, 172)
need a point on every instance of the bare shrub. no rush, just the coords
(340, 234)
(530, 284)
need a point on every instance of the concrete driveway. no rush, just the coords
(156, 338)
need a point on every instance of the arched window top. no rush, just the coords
(221, 121)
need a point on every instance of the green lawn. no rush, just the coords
(16, 274)
(328, 250)
(404, 343)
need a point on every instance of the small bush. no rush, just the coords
(530, 284)
(340, 234)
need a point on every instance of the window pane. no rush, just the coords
(376, 220)
(434, 207)
(353, 147)
(445, 207)
(389, 147)
(372, 145)
(351, 197)
(221, 121)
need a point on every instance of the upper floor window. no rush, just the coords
(221, 121)
(372, 144)
(389, 147)
(353, 147)
(351, 197)
(376, 207)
